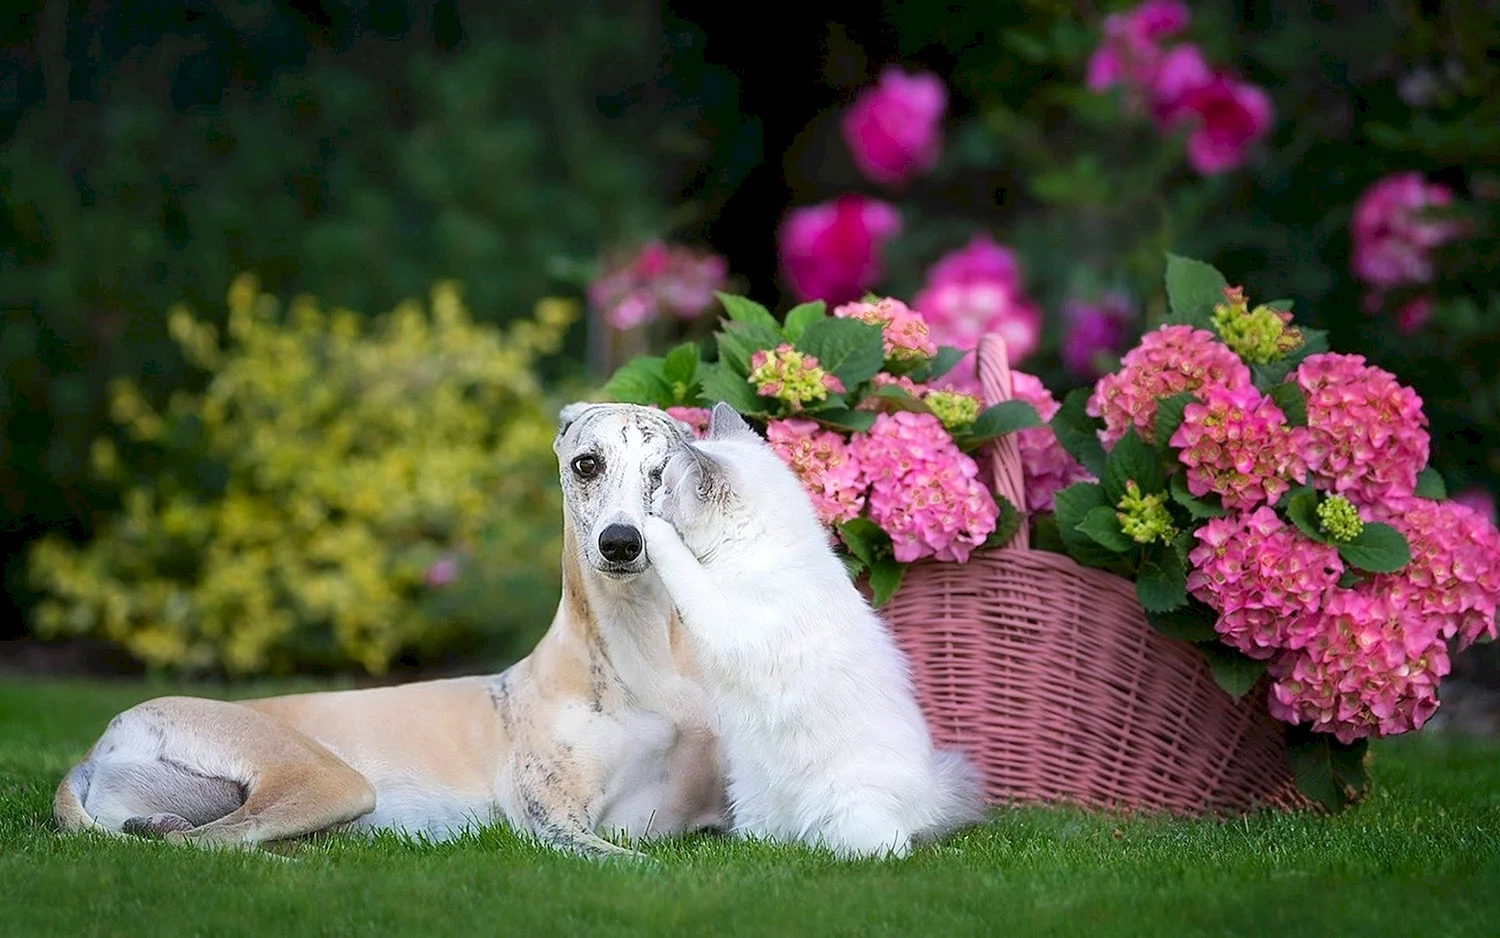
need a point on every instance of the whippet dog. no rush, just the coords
(602, 729)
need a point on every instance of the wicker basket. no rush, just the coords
(1049, 676)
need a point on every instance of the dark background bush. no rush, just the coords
(360, 150)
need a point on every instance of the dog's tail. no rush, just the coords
(959, 795)
(67, 804)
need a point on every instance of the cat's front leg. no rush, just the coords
(694, 594)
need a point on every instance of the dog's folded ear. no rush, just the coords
(569, 414)
(725, 423)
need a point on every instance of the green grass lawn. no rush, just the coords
(1421, 855)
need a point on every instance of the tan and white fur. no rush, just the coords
(822, 737)
(602, 729)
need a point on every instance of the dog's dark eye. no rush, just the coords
(586, 467)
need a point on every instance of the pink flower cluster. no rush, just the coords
(1260, 575)
(923, 491)
(907, 337)
(1095, 332)
(657, 280)
(695, 417)
(1168, 361)
(832, 251)
(977, 290)
(1224, 116)
(1354, 661)
(1394, 232)
(1363, 666)
(1366, 437)
(823, 462)
(1454, 574)
(1047, 466)
(894, 128)
(1237, 445)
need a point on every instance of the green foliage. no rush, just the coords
(291, 514)
(148, 158)
(1328, 771)
(1194, 288)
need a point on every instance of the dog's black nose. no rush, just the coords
(620, 543)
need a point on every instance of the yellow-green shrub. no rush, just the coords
(288, 515)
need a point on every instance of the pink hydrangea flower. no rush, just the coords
(1047, 466)
(823, 462)
(1364, 665)
(1168, 361)
(906, 335)
(1453, 578)
(894, 128)
(1129, 51)
(923, 491)
(1394, 233)
(1479, 500)
(1236, 444)
(657, 280)
(881, 380)
(1226, 118)
(1366, 436)
(832, 251)
(977, 290)
(1095, 331)
(1260, 575)
(695, 417)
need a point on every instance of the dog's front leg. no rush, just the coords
(552, 796)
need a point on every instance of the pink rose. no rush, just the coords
(1394, 233)
(832, 251)
(1129, 52)
(893, 129)
(1227, 117)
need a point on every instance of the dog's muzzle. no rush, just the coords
(623, 548)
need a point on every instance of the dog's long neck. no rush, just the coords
(627, 627)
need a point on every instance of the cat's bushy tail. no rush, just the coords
(959, 799)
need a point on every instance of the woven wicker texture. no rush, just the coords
(1049, 676)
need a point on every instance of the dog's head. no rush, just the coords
(611, 458)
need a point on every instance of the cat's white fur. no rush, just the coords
(821, 733)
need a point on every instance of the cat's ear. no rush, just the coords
(726, 424)
(706, 470)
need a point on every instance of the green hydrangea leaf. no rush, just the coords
(1132, 459)
(1379, 548)
(1293, 403)
(1235, 673)
(1193, 290)
(745, 310)
(850, 350)
(641, 381)
(1078, 432)
(1430, 484)
(885, 578)
(798, 318)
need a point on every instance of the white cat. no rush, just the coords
(822, 736)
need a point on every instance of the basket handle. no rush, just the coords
(1003, 456)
